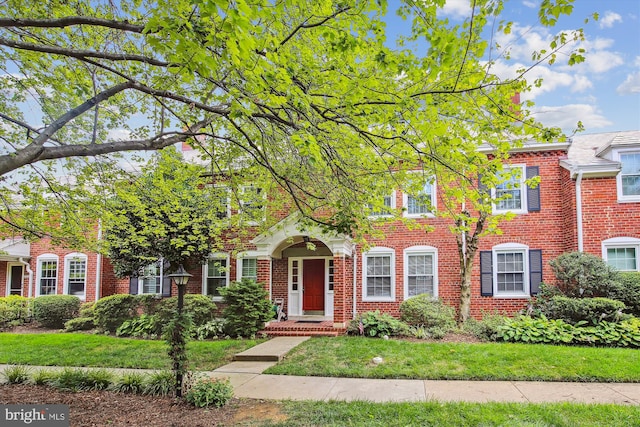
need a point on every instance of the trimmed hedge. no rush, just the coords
(14, 309)
(434, 316)
(591, 310)
(111, 312)
(200, 307)
(376, 324)
(627, 290)
(582, 275)
(52, 311)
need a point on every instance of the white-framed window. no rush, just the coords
(330, 275)
(511, 194)
(252, 204)
(387, 207)
(378, 275)
(247, 268)
(421, 204)
(221, 201)
(511, 270)
(47, 274)
(628, 179)
(150, 279)
(622, 253)
(75, 274)
(216, 275)
(420, 271)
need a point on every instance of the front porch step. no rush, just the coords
(295, 328)
(305, 333)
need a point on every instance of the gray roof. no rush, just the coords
(592, 149)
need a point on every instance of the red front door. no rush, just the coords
(313, 284)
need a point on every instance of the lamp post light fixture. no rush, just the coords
(180, 277)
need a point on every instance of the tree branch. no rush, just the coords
(69, 21)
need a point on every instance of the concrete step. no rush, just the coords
(270, 351)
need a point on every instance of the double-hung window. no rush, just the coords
(510, 270)
(76, 274)
(622, 253)
(252, 204)
(421, 275)
(379, 275)
(385, 209)
(422, 203)
(216, 276)
(150, 281)
(247, 268)
(629, 176)
(509, 194)
(47, 273)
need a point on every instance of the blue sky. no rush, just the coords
(604, 91)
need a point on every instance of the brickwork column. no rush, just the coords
(264, 273)
(342, 290)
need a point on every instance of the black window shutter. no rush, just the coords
(533, 194)
(486, 273)
(535, 270)
(166, 280)
(133, 285)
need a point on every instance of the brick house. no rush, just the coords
(588, 199)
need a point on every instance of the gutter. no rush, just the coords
(30, 272)
(579, 211)
(99, 265)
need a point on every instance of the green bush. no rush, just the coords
(376, 324)
(437, 318)
(52, 311)
(14, 309)
(144, 326)
(129, 382)
(627, 290)
(485, 329)
(211, 329)
(210, 392)
(110, 312)
(160, 383)
(86, 309)
(247, 308)
(199, 307)
(17, 374)
(555, 331)
(582, 275)
(71, 379)
(79, 324)
(591, 310)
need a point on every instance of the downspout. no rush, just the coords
(270, 278)
(99, 264)
(355, 279)
(29, 272)
(579, 210)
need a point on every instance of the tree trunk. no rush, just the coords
(465, 293)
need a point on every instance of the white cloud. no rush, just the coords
(457, 8)
(637, 62)
(601, 61)
(530, 4)
(567, 116)
(118, 135)
(631, 85)
(609, 18)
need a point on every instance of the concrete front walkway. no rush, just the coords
(246, 376)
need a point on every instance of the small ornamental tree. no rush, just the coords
(247, 308)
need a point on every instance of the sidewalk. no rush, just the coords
(246, 376)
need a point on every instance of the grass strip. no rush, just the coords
(352, 357)
(107, 351)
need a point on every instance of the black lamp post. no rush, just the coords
(180, 277)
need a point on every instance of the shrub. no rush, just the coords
(247, 308)
(82, 379)
(210, 392)
(160, 383)
(17, 374)
(148, 303)
(591, 310)
(436, 317)
(485, 329)
(110, 312)
(79, 324)
(376, 324)
(43, 377)
(14, 309)
(144, 326)
(86, 309)
(53, 310)
(627, 290)
(199, 307)
(582, 275)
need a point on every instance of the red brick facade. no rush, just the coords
(552, 230)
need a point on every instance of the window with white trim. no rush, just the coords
(75, 267)
(420, 275)
(386, 208)
(221, 202)
(47, 273)
(252, 204)
(378, 273)
(216, 276)
(248, 268)
(150, 279)
(510, 270)
(422, 203)
(622, 253)
(629, 177)
(511, 194)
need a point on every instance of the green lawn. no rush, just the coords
(107, 351)
(368, 414)
(352, 357)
